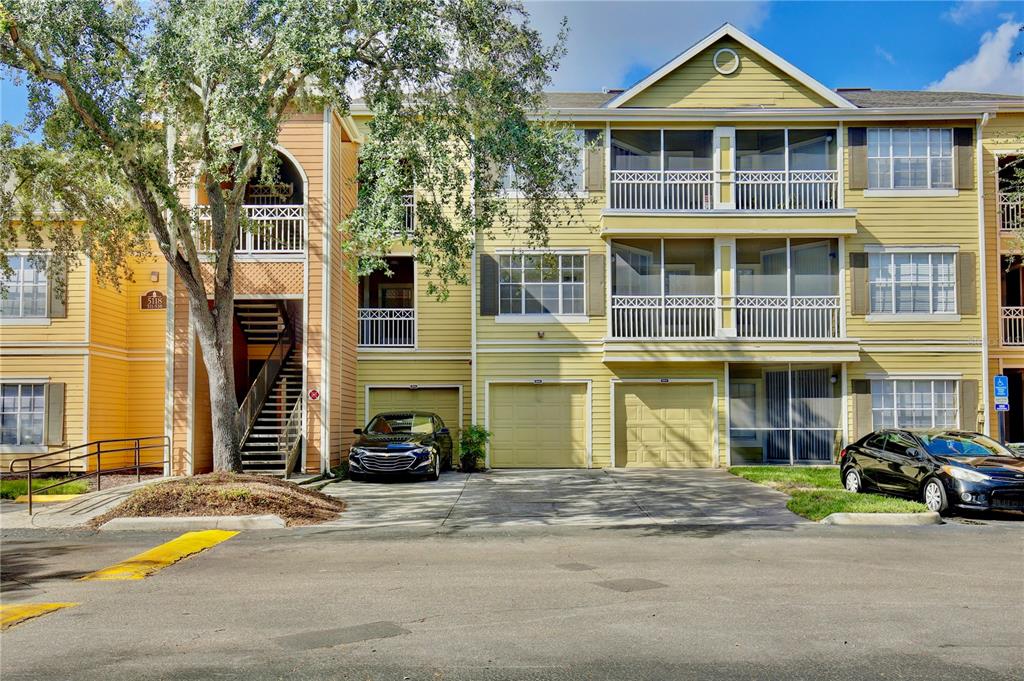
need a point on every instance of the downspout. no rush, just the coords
(473, 306)
(325, 322)
(169, 320)
(980, 161)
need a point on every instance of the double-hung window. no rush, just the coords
(912, 282)
(910, 158)
(511, 187)
(541, 283)
(25, 288)
(914, 403)
(21, 413)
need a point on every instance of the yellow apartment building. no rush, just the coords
(766, 270)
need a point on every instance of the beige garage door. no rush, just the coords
(442, 401)
(664, 425)
(538, 426)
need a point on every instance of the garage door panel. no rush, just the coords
(538, 426)
(442, 401)
(664, 425)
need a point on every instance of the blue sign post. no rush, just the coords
(1001, 398)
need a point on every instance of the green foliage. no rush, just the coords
(789, 478)
(815, 504)
(15, 487)
(473, 447)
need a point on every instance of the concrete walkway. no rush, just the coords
(591, 498)
(70, 514)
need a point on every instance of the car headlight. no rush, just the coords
(965, 474)
(422, 451)
(356, 452)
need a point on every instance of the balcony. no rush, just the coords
(1010, 211)
(664, 289)
(770, 171)
(268, 229)
(387, 313)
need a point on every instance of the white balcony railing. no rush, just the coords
(1010, 208)
(269, 229)
(387, 327)
(677, 317)
(694, 190)
(767, 317)
(1012, 321)
(787, 190)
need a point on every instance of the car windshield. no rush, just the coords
(392, 424)
(963, 445)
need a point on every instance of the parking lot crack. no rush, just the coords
(456, 502)
(632, 499)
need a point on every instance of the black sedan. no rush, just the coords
(401, 443)
(942, 468)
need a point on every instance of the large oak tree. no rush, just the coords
(129, 101)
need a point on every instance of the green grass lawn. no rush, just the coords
(11, 489)
(818, 492)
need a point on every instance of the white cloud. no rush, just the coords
(993, 69)
(885, 54)
(609, 41)
(964, 10)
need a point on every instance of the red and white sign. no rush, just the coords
(314, 394)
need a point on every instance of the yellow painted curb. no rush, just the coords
(46, 498)
(15, 613)
(156, 559)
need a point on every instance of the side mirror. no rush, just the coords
(916, 453)
(357, 431)
(442, 431)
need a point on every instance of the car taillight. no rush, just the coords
(842, 453)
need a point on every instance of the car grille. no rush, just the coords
(1011, 500)
(387, 463)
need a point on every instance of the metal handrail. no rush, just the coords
(137, 448)
(290, 438)
(253, 402)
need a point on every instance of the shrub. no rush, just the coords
(473, 447)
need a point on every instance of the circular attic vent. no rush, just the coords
(726, 61)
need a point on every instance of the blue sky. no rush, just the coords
(973, 46)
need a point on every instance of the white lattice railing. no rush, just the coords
(1010, 208)
(788, 317)
(787, 190)
(672, 190)
(267, 229)
(1012, 320)
(387, 327)
(409, 202)
(676, 317)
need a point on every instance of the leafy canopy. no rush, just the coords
(132, 101)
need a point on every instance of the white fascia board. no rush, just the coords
(719, 116)
(748, 42)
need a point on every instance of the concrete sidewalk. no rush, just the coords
(71, 514)
(550, 498)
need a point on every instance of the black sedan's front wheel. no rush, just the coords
(436, 472)
(852, 481)
(934, 496)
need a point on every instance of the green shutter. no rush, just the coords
(595, 286)
(969, 405)
(488, 286)
(857, 146)
(963, 157)
(58, 291)
(54, 434)
(859, 284)
(966, 283)
(862, 421)
(594, 178)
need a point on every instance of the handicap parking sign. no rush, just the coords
(1000, 386)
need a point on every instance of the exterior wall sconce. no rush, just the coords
(154, 276)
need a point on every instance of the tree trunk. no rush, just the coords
(214, 331)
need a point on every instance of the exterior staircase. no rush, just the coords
(265, 447)
(270, 416)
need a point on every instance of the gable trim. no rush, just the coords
(728, 30)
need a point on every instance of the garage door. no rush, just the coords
(664, 425)
(538, 426)
(442, 401)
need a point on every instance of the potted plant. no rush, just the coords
(473, 448)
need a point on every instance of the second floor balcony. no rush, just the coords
(783, 289)
(267, 229)
(387, 311)
(1011, 310)
(767, 171)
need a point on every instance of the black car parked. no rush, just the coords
(401, 443)
(942, 468)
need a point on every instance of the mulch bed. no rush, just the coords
(227, 494)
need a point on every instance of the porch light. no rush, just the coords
(154, 276)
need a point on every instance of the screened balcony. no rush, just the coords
(1010, 198)
(787, 288)
(773, 170)
(663, 288)
(387, 312)
(1011, 310)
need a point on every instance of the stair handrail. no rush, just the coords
(291, 437)
(253, 402)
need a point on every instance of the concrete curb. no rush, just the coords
(928, 518)
(190, 523)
